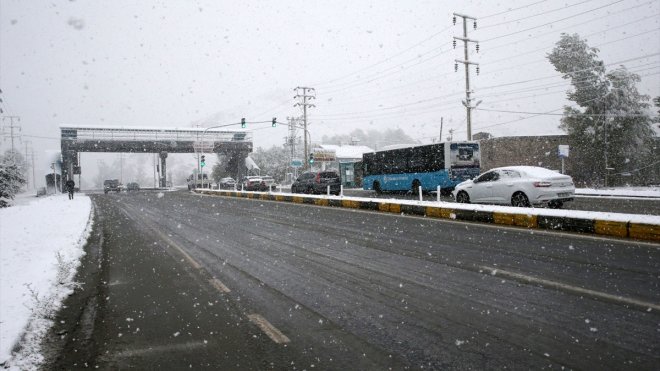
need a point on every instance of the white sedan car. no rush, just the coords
(522, 186)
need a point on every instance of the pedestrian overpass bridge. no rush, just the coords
(235, 144)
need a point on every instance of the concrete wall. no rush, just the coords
(528, 150)
(543, 151)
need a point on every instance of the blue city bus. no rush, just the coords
(429, 166)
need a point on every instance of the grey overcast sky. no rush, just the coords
(374, 64)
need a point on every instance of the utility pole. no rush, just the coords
(467, 103)
(11, 127)
(442, 119)
(291, 138)
(34, 179)
(25, 165)
(304, 98)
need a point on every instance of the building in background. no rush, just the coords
(348, 162)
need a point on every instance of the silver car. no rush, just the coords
(521, 186)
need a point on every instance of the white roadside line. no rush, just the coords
(162, 235)
(572, 289)
(273, 333)
(619, 197)
(158, 349)
(219, 285)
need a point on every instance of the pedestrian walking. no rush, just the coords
(70, 186)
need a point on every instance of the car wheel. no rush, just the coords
(519, 199)
(377, 187)
(463, 198)
(293, 189)
(555, 204)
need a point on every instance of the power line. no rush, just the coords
(549, 23)
(380, 75)
(566, 83)
(508, 58)
(379, 112)
(536, 15)
(561, 114)
(274, 107)
(514, 9)
(554, 31)
(572, 72)
(386, 59)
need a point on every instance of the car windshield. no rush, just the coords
(329, 185)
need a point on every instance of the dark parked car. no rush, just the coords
(132, 187)
(317, 182)
(111, 185)
(254, 183)
(227, 183)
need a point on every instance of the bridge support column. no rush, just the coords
(69, 161)
(163, 169)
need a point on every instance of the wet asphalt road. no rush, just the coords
(357, 290)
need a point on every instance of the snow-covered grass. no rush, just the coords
(41, 243)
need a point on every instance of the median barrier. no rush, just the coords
(589, 225)
(567, 224)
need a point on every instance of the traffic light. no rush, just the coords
(243, 124)
(274, 122)
(203, 162)
(311, 158)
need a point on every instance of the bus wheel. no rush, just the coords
(462, 197)
(415, 187)
(377, 187)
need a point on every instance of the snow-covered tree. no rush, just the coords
(11, 180)
(372, 138)
(274, 161)
(611, 125)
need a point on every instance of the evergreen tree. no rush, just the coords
(11, 180)
(611, 126)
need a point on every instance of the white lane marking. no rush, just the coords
(273, 333)
(162, 235)
(219, 285)
(158, 349)
(572, 289)
(186, 256)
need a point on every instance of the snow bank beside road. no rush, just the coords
(620, 192)
(41, 243)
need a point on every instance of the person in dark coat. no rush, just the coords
(70, 186)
